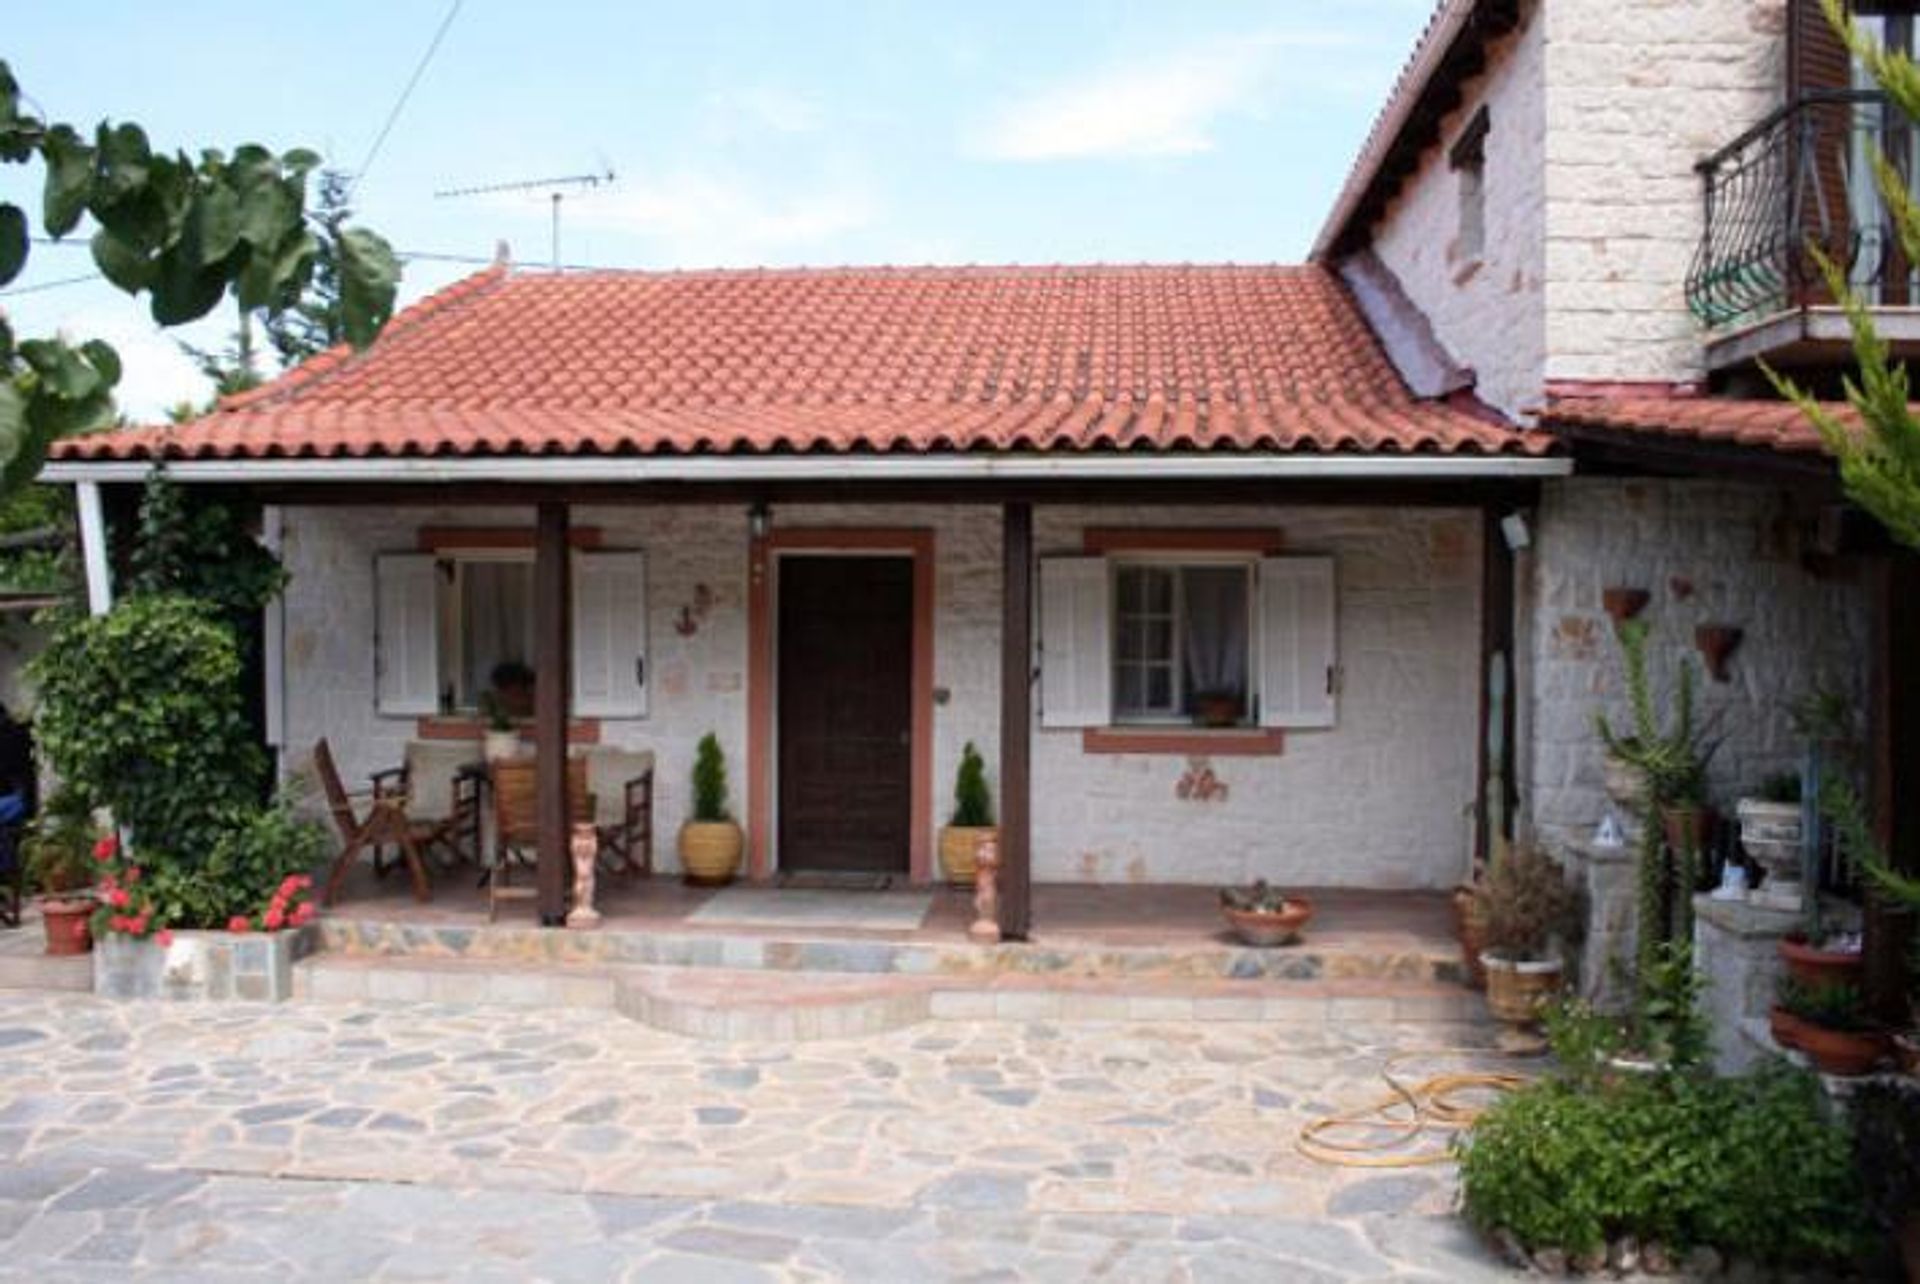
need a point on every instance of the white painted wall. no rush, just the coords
(1733, 548)
(1488, 315)
(1377, 801)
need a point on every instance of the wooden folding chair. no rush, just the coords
(516, 824)
(384, 824)
(622, 783)
(442, 799)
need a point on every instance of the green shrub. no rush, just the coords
(972, 803)
(58, 846)
(1751, 1166)
(709, 781)
(141, 712)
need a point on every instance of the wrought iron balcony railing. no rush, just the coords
(1801, 178)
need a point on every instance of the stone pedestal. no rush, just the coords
(216, 966)
(1736, 948)
(1606, 878)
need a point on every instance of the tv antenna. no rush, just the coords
(555, 188)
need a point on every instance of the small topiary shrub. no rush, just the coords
(709, 781)
(972, 802)
(1751, 1166)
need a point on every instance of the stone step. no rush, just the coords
(46, 972)
(759, 1005)
(1311, 962)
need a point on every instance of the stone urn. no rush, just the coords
(1771, 833)
(710, 851)
(1625, 784)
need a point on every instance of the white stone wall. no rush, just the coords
(1377, 801)
(1708, 553)
(1488, 314)
(1637, 91)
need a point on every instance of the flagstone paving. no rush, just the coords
(144, 1140)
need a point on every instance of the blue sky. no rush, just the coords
(740, 133)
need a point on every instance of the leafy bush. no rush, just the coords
(972, 803)
(1886, 1147)
(1529, 904)
(1835, 1006)
(141, 712)
(1751, 1166)
(254, 877)
(709, 781)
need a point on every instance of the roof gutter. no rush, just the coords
(736, 468)
(1446, 25)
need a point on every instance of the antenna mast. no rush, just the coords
(556, 189)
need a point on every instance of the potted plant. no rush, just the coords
(972, 819)
(710, 840)
(1530, 909)
(59, 854)
(1264, 916)
(1470, 929)
(1772, 830)
(1830, 1024)
(1216, 708)
(501, 739)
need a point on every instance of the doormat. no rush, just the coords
(838, 880)
(901, 911)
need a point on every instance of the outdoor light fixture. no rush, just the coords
(759, 521)
(1514, 528)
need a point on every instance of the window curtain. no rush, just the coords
(1214, 642)
(497, 614)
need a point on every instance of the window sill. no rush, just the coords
(1216, 742)
(453, 726)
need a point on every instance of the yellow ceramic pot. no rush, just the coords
(710, 851)
(960, 852)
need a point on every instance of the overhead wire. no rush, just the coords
(393, 116)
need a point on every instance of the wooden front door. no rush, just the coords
(845, 689)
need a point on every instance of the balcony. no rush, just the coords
(1803, 178)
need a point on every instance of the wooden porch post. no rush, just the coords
(1895, 732)
(1016, 720)
(553, 654)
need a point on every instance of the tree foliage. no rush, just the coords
(182, 232)
(1880, 467)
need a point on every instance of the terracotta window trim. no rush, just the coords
(457, 539)
(1268, 541)
(1222, 742)
(454, 726)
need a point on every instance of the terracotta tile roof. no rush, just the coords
(849, 360)
(1762, 425)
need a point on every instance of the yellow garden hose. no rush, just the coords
(1387, 1132)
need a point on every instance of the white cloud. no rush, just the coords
(749, 109)
(1163, 107)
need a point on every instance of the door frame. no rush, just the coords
(763, 556)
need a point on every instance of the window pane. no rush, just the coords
(496, 619)
(1214, 640)
(1159, 589)
(1160, 689)
(1129, 688)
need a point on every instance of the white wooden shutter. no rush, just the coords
(610, 635)
(406, 634)
(1299, 673)
(1076, 663)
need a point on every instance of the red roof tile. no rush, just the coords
(848, 360)
(1764, 425)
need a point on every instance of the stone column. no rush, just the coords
(1605, 876)
(1736, 948)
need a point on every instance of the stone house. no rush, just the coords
(1234, 572)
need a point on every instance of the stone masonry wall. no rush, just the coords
(1377, 801)
(1708, 553)
(1637, 91)
(1488, 314)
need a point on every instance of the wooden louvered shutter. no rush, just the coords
(1820, 144)
(610, 635)
(1076, 659)
(406, 635)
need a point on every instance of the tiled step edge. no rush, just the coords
(70, 972)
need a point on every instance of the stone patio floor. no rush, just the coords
(338, 1141)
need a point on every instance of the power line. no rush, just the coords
(433, 46)
(50, 285)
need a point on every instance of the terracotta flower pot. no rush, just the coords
(1784, 1026)
(1264, 928)
(1842, 1052)
(1516, 989)
(1906, 1052)
(68, 924)
(1687, 828)
(960, 851)
(1216, 710)
(710, 851)
(1818, 968)
(1470, 929)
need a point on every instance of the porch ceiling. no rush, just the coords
(852, 366)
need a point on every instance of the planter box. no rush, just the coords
(216, 966)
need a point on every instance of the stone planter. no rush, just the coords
(1626, 785)
(960, 851)
(710, 851)
(67, 923)
(202, 966)
(1266, 928)
(1771, 832)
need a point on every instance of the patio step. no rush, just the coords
(25, 964)
(761, 1006)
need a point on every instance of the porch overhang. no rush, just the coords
(598, 469)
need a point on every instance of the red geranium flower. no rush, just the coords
(274, 919)
(163, 937)
(304, 914)
(107, 848)
(118, 898)
(239, 923)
